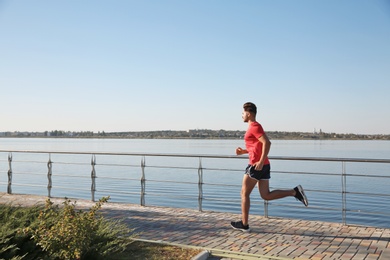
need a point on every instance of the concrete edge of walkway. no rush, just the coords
(202, 255)
(213, 252)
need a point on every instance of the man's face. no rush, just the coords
(245, 116)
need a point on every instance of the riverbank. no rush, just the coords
(194, 134)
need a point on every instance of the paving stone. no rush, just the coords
(276, 237)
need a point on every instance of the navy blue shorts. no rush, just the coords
(264, 174)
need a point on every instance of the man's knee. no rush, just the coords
(265, 195)
(245, 194)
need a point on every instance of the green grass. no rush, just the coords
(152, 251)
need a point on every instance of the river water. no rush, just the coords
(173, 181)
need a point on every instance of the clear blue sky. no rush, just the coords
(179, 65)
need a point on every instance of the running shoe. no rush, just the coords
(300, 195)
(239, 226)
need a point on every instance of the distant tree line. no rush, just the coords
(195, 134)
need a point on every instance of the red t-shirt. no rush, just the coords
(252, 143)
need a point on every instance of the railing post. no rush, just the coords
(9, 187)
(344, 193)
(49, 174)
(143, 186)
(93, 177)
(200, 184)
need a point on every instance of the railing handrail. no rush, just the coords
(284, 158)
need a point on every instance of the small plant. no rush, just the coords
(15, 244)
(67, 233)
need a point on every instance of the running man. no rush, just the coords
(258, 171)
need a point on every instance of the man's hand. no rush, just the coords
(240, 151)
(258, 166)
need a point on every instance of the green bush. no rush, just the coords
(15, 244)
(69, 234)
(55, 232)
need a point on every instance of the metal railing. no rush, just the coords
(141, 169)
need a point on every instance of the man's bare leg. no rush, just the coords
(266, 194)
(247, 186)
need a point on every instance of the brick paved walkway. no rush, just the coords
(275, 238)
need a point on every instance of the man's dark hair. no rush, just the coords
(250, 107)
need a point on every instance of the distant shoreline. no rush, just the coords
(193, 134)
